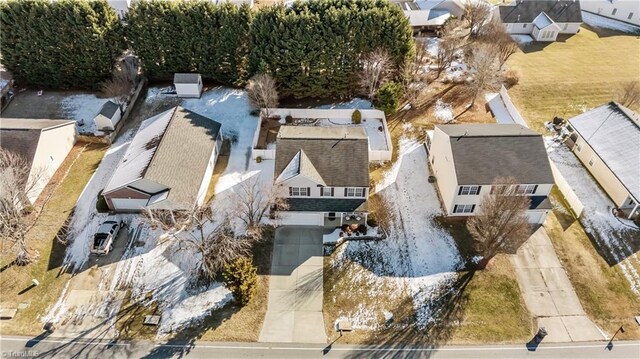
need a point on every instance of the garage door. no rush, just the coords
(128, 204)
(302, 219)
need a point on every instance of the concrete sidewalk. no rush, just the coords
(294, 314)
(548, 293)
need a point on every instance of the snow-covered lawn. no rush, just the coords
(443, 111)
(158, 266)
(595, 20)
(597, 217)
(418, 258)
(82, 109)
(457, 69)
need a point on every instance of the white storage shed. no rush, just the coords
(108, 117)
(188, 84)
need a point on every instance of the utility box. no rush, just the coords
(188, 85)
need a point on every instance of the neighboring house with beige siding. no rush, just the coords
(466, 160)
(168, 165)
(44, 144)
(544, 20)
(325, 175)
(607, 141)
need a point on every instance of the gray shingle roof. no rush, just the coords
(340, 155)
(327, 204)
(498, 150)
(525, 11)
(185, 78)
(21, 136)
(173, 149)
(109, 109)
(613, 131)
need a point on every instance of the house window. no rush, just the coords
(326, 191)
(464, 208)
(615, 10)
(469, 190)
(524, 26)
(630, 16)
(354, 192)
(526, 189)
(578, 147)
(298, 191)
(592, 161)
(566, 26)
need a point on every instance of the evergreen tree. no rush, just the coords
(60, 44)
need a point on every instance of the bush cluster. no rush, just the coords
(241, 278)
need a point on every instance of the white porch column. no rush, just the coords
(635, 208)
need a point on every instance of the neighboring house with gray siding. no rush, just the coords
(44, 144)
(607, 142)
(544, 20)
(168, 165)
(466, 160)
(325, 174)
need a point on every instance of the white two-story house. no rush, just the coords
(466, 160)
(325, 175)
(622, 10)
(542, 19)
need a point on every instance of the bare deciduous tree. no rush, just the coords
(376, 69)
(501, 223)
(254, 202)
(446, 54)
(495, 33)
(476, 14)
(18, 182)
(200, 230)
(118, 88)
(629, 94)
(483, 67)
(262, 92)
(415, 74)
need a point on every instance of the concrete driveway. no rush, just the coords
(548, 293)
(294, 314)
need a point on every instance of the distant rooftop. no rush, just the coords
(31, 124)
(185, 78)
(526, 11)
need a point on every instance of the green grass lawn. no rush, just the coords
(566, 77)
(81, 164)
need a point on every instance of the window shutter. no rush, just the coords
(308, 191)
(473, 207)
(364, 192)
(455, 209)
(290, 191)
(479, 187)
(460, 190)
(535, 188)
(331, 191)
(345, 191)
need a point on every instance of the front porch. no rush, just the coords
(338, 219)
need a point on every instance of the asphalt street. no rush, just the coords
(23, 347)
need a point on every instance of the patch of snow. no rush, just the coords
(356, 102)
(432, 45)
(595, 20)
(443, 111)
(523, 39)
(387, 315)
(597, 215)
(477, 259)
(418, 256)
(361, 318)
(82, 109)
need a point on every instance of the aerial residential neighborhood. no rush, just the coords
(320, 178)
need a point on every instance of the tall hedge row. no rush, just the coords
(191, 36)
(311, 48)
(63, 44)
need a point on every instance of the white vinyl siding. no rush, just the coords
(354, 192)
(469, 190)
(464, 208)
